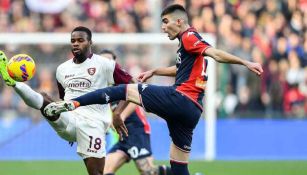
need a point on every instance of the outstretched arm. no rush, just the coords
(165, 71)
(224, 57)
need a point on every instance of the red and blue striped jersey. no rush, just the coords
(191, 77)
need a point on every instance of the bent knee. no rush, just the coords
(109, 169)
(133, 94)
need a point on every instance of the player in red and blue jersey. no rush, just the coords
(137, 145)
(180, 105)
(191, 66)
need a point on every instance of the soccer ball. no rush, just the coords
(21, 67)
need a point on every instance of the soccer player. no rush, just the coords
(84, 73)
(137, 145)
(181, 104)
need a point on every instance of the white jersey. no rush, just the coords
(78, 79)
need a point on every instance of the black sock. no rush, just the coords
(179, 168)
(165, 170)
(103, 96)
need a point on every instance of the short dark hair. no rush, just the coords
(172, 8)
(84, 29)
(107, 51)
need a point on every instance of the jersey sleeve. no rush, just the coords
(108, 69)
(60, 87)
(61, 91)
(120, 75)
(193, 43)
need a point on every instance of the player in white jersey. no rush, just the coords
(84, 73)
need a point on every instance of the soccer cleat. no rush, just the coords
(3, 70)
(56, 108)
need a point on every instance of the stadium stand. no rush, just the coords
(271, 32)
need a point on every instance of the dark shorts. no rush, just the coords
(136, 146)
(180, 113)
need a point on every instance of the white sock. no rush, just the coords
(29, 96)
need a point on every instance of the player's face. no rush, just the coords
(80, 45)
(171, 26)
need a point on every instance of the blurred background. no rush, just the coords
(257, 118)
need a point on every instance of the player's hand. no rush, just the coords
(254, 67)
(144, 76)
(119, 126)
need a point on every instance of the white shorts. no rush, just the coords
(89, 134)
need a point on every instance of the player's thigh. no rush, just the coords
(178, 154)
(65, 126)
(91, 138)
(157, 99)
(146, 165)
(114, 161)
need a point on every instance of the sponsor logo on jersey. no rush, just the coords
(71, 75)
(91, 71)
(107, 97)
(78, 83)
(91, 151)
(144, 151)
(144, 86)
(187, 147)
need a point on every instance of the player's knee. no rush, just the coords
(133, 94)
(109, 170)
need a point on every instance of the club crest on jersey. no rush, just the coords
(91, 71)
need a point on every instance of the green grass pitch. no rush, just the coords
(206, 168)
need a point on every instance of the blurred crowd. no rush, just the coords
(271, 32)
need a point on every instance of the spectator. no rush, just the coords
(269, 30)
